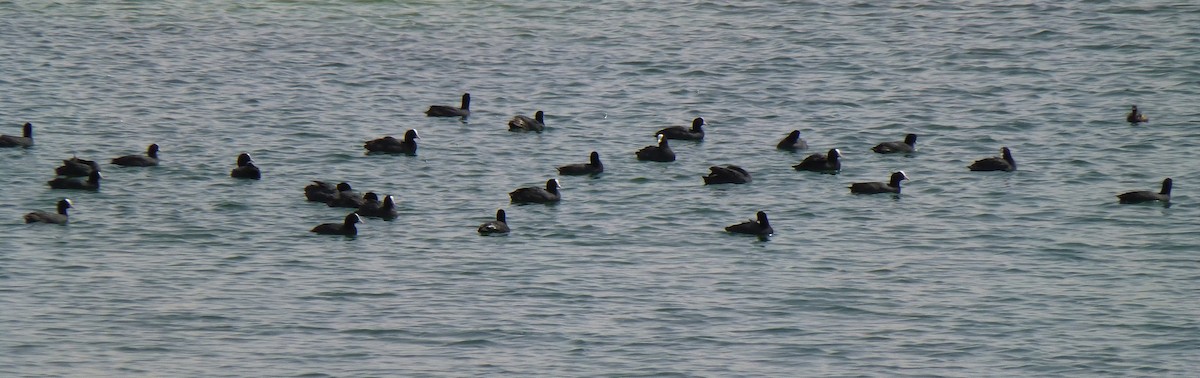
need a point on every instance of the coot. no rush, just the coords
(55, 218)
(245, 168)
(346, 197)
(660, 153)
(391, 145)
(879, 187)
(347, 227)
(523, 123)
(830, 162)
(76, 167)
(1163, 195)
(729, 174)
(25, 140)
(1136, 116)
(792, 142)
(549, 194)
(760, 226)
(147, 160)
(591, 168)
(682, 133)
(450, 111)
(92, 182)
(498, 226)
(909, 144)
(385, 209)
(320, 191)
(1004, 162)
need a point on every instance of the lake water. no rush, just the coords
(180, 270)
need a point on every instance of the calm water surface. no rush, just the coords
(179, 270)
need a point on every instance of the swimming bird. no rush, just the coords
(1004, 162)
(792, 142)
(450, 111)
(829, 163)
(908, 145)
(370, 200)
(1136, 116)
(76, 167)
(498, 226)
(661, 153)
(549, 194)
(729, 174)
(320, 191)
(347, 227)
(879, 187)
(1163, 195)
(245, 168)
(523, 123)
(25, 140)
(760, 226)
(91, 183)
(392, 145)
(683, 133)
(591, 168)
(44, 217)
(147, 160)
(372, 207)
(346, 197)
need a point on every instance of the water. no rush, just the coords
(179, 270)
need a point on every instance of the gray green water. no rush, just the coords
(179, 270)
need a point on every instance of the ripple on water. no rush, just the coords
(1034, 272)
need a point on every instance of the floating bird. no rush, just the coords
(682, 133)
(147, 160)
(498, 226)
(591, 168)
(523, 123)
(1004, 162)
(392, 145)
(729, 174)
(370, 203)
(792, 142)
(829, 163)
(450, 111)
(549, 194)
(92, 182)
(76, 167)
(1163, 195)
(346, 197)
(760, 226)
(320, 191)
(55, 218)
(1136, 116)
(908, 145)
(25, 140)
(347, 227)
(245, 168)
(372, 207)
(661, 153)
(879, 187)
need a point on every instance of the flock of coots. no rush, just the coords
(81, 174)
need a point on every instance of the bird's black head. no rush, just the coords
(762, 219)
(794, 136)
